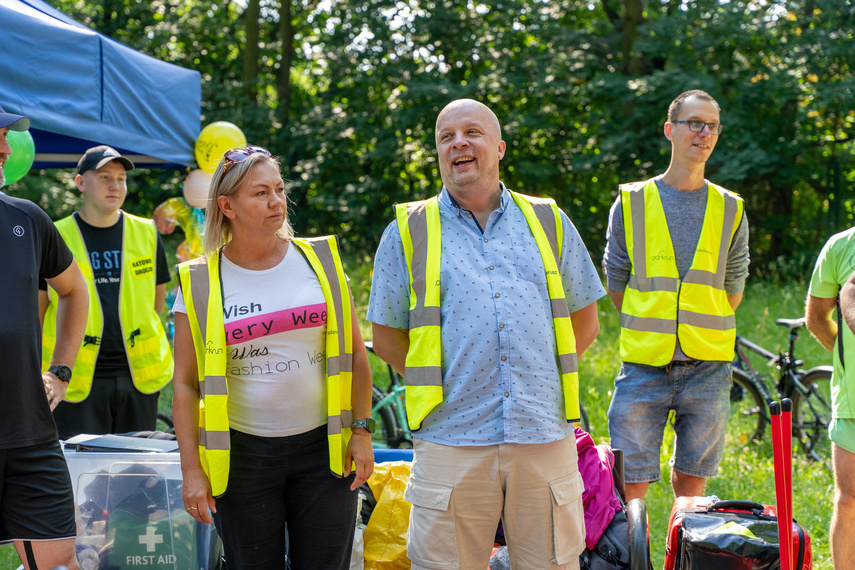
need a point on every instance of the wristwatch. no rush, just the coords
(62, 372)
(368, 425)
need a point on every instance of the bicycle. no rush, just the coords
(389, 412)
(809, 390)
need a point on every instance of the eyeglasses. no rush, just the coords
(698, 126)
(236, 155)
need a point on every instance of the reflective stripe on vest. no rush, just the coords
(419, 227)
(658, 307)
(203, 299)
(146, 345)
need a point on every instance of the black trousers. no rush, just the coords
(284, 485)
(114, 405)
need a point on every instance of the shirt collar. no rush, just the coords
(448, 200)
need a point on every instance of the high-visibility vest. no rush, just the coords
(202, 290)
(658, 307)
(146, 344)
(421, 237)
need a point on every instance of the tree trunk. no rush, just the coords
(633, 16)
(249, 75)
(283, 79)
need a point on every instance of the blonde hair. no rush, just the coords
(218, 230)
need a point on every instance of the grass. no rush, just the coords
(744, 475)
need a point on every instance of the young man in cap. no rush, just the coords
(36, 500)
(125, 358)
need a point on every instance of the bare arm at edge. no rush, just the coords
(617, 298)
(391, 345)
(359, 453)
(195, 489)
(71, 313)
(819, 322)
(734, 300)
(159, 297)
(847, 302)
(586, 327)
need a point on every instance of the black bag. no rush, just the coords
(612, 550)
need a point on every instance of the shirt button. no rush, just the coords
(504, 358)
(496, 295)
(492, 268)
(468, 215)
(507, 394)
(486, 240)
(501, 325)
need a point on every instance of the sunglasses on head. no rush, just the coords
(236, 155)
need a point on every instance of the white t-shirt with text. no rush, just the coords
(275, 322)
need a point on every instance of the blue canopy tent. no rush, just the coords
(81, 89)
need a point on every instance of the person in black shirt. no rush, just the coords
(125, 358)
(36, 499)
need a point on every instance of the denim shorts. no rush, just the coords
(698, 392)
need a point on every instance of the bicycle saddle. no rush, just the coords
(791, 324)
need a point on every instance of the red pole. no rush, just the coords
(787, 440)
(780, 486)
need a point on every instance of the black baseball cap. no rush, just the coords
(14, 122)
(97, 157)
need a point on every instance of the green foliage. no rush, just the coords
(347, 93)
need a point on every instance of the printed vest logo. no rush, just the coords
(142, 267)
(661, 256)
(18, 231)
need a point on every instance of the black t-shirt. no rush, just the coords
(105, 255)
(30, 249)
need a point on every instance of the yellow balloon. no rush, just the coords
(213, 142)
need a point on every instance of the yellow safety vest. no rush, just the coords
(202, 290)
(657, 306)
(421, 237)
(146, 344)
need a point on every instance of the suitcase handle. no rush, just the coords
(755, 508)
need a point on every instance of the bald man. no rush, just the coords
(485, 304)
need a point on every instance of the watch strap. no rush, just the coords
(367, 424)
(62, 372)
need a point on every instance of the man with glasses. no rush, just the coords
(125, 358)
(676, 261)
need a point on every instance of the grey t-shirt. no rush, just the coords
(684, 212)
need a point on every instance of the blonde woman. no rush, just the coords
(272, 387)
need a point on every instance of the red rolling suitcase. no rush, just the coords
(707, 534)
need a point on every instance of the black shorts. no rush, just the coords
(36, 498)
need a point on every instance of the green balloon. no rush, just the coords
(23, 154)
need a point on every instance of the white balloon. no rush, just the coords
(196, 187)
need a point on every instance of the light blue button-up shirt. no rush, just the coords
(501, 381)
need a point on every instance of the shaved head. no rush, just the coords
(472, 104)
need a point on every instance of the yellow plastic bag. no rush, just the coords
(385, 535)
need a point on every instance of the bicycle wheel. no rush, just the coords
(812, 412)
(747, 412)
(386, 426)
(164, 423)
(584, 423)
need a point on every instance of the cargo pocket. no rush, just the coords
(568, 518)
(431, 541)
